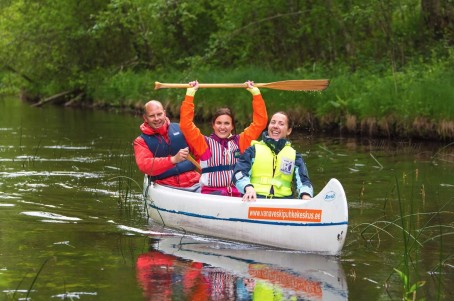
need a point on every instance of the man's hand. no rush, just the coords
(180, 156)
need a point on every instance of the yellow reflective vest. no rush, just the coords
(274, 170)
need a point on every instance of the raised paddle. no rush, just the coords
(290, 85)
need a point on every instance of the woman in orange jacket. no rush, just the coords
(219, 152)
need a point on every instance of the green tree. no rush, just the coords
(55, 45)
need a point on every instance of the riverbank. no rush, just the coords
(417, 102)
(390, 127)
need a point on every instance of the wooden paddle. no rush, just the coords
(193, 161)
(290, 85)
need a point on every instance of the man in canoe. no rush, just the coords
(220, 151)
(268, 168)
(161, 151)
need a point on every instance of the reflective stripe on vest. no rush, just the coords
(218, 169)
(161, 149)
(271, 170)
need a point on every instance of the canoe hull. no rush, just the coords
(318, 225)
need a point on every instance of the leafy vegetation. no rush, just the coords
(390, 62)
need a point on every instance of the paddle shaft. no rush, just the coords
(159, 85)
(290, 85)
(193, 161)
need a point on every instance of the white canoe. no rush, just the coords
(318, 225)
(308, 276)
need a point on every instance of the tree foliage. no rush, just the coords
(53, 44)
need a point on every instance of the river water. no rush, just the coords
(73, 225)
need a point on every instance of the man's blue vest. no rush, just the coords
(160, 148)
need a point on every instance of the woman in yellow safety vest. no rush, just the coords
(268, 168)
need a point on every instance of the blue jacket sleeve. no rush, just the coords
(242, 172)
(301, 177)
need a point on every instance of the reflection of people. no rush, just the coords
(268, 168)
(222, 284)
(158, 273)
(244, 288)
(264, 291)
(154, 273)
(168, 277)
(220, 151)
(161, 150)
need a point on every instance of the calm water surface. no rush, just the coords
(73, 226)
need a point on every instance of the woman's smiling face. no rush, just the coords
(278, 127)
(223, 126)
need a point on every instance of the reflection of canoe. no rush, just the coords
(311, 276)
(318, 225)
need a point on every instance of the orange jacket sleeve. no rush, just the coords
(196, 140)
(259, 122)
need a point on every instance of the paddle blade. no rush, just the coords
(297, 85)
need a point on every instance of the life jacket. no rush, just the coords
(218, 169)
(160, 148)
(271, 170)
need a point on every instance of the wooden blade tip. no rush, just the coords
(157, 85)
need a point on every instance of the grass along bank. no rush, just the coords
(405, 234)
(417, 102)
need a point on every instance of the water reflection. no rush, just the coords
(201, 269)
